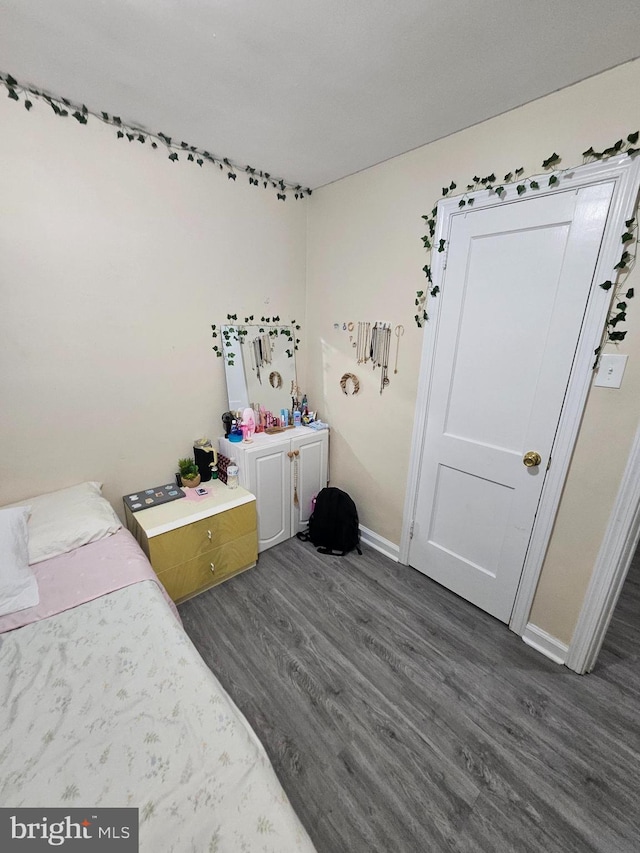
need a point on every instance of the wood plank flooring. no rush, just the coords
(400, 718)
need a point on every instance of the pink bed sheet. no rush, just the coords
(84, 574)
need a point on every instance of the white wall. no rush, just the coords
(114, 263)
(365, 262)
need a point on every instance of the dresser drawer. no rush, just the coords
(197, 574)
(185, 543)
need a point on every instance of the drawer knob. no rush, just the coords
(209, 534)
(213, 568)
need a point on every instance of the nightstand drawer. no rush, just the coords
(210, 568)
(190, 541)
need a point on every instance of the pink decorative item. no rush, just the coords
(248, 425)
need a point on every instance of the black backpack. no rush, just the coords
(333, 525)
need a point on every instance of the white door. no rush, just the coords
(514, 293)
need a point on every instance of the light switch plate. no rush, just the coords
(611, 371)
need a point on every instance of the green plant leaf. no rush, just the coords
(441, 245)
(629, 294)
(621, 306)
(633, 137)
(627, 237)
(461, 203)
(470, 202)
(553, 180)
(534, 185)
(589, 152)
(508, 177)
(521, 189)
(11, 81)
(452, 186)
(606, 285)
(519, 171)
(27, 104)
(617, 336)
(629, 223)
(173, 156)
(13, 95)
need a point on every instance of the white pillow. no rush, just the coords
(18, 587)
(67, 519)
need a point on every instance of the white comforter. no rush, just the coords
(109, 704)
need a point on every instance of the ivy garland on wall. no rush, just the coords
(239, 335)
(629, 239)
(175, 150)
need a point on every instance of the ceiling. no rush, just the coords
(311, 90)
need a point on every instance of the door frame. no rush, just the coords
(624, 171)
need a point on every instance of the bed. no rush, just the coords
(106, 702)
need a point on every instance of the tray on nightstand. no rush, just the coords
(146, 498)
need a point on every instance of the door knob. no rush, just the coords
(532, 459)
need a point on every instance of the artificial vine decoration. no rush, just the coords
(490, 183)
(238, 335)
(176, 150)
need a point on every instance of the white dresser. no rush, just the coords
(277, 469)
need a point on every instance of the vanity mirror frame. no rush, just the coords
(269, 381)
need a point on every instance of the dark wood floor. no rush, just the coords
(400, 718)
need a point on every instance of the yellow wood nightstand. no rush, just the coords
(194, 545)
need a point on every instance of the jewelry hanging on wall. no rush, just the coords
(399, 333)
(384, 362)
(275, 379)
(355, 382)
(362, 342)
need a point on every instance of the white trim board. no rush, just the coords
(379, 543)
(625, 172)
(549, 646)
(610, 570)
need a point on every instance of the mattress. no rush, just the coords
(85, 573)
(109, 704)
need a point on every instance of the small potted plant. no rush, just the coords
(189, 474)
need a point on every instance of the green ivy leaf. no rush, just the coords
(173, 156)
(519, 171)
(441, 245)
(534, 185)
(470, 202)
(452, 186)
(508, 177)
(420, 293)
(461, 203)
(606, 285)
(550, 161)
(633, 137)
(435, 290)
(629, 222)
(589, 152)
(521, 189)
(190, 157)
(13, 95)
(621, 306)
(27, 105)
(617, 336)
(553, 180)
(629, 294)
(120, 134)
(11, 81)
(627, 237)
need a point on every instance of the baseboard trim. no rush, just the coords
(373, 540)
(547, 645)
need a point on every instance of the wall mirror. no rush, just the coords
(260, 366)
